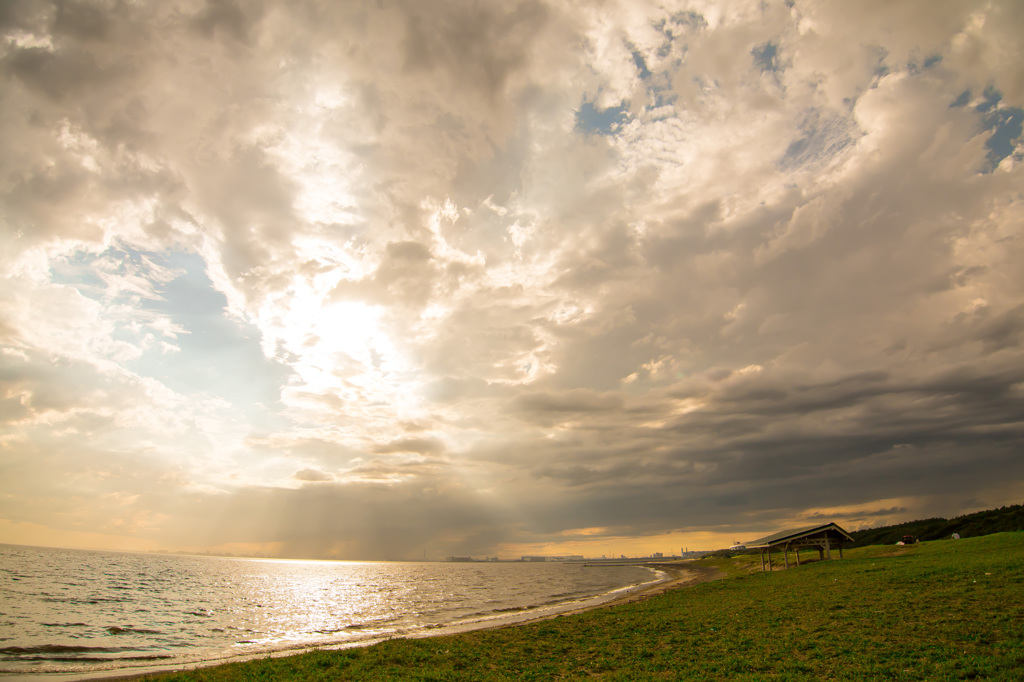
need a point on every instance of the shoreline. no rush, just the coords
(679, 575)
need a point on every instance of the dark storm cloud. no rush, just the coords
(792, 445)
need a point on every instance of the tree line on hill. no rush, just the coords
(985, 522)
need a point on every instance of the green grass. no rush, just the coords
(943, 610)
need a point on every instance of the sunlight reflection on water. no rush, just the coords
(79, 611)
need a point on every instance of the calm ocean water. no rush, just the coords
(74, 611)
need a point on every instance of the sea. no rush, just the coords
(75, 614)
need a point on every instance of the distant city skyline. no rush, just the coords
(373, 281)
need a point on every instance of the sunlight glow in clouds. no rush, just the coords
(367, 280)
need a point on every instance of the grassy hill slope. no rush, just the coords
(1002, 520)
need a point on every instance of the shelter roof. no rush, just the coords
(785, 536)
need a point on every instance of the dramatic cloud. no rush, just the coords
(395, 279)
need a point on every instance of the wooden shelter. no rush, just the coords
(824, 538)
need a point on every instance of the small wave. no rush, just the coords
(492, 614)
(558, 596)
(129, 630)
(95, 659)
(79, 600)
(344, 630)
(65, 625)
(507, 609)
(362, 626)
(60, 649)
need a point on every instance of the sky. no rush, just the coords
(409, 279)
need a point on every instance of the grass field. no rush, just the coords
(942, 610)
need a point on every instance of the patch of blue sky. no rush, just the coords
(690, 19)
(77, 270)
(664, 96)
(118, 274)
(766, 56)
(962, 100)
(641, 65)
(1006, 126)
(219, 356)
(1005, 123)
(882, 69)
(992, 99)
(659, 88)
(679, 23)
(824, 136)
(593, 121)
(916, 67)
(659, 85)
